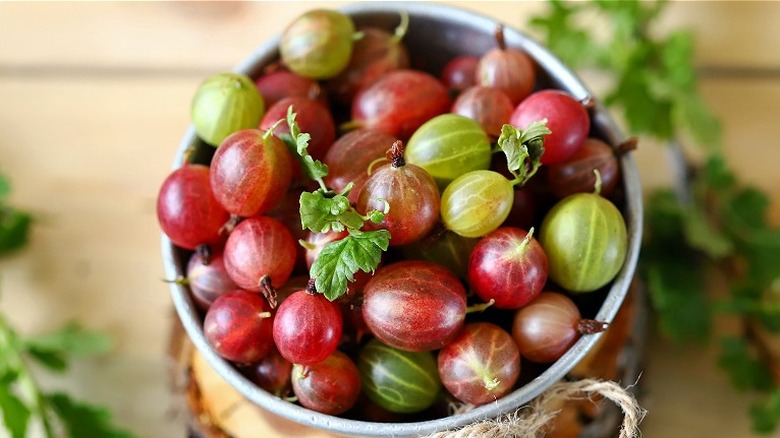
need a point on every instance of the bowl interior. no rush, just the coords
(436, 34)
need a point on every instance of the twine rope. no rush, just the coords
(531, 421)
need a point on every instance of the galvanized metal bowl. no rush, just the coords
(436, 34)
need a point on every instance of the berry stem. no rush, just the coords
(591, 326)
(180, 280)
(269, 291)
(396, 154)
(480, 307)
(303, 372)
(204, 252)
(311, 286)
(490, 384)
(315, 91)
(350, 125)
(188, 153)
(230, 225)
(597, 185)
(589, 103)
(627, 146)
(403, 27)
(270, 131)
(371, 166)
(526, 241)
(500, 41)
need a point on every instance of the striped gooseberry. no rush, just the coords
(397, 380)
(449, 145)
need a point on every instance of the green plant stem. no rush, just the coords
(9, 346)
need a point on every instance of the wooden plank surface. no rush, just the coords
(94, 98)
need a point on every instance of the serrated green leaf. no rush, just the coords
(85, 420)
(644, 113)
(302, 143)
(314, 169)
(321, 213)
(376, 216)
(523, 148)
(340, 260)
(16, 415)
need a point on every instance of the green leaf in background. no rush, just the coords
(340, 260)
(676, 61)
(676, 288)
(14, 229)
(721, 228)
(72, 339)
(701, 234)
(717, 174)
(16, 415)
(742, 365)
(674, 274)
(575, 46)
(691, 112)
(14, 224)
(644, 113)
(745, 213)
(85, 420)
(53, 350)
(766, 414)
(5, 188)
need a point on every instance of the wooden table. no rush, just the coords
(94, 98)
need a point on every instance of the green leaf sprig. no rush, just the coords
(523, 149)
(23, 401)
(324, 210)
(712, 221)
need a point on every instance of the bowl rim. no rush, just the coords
(565, 79)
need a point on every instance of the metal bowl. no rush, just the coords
(436, 34)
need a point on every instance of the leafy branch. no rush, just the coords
(713, 220)
(22, 400)
(324, 210)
